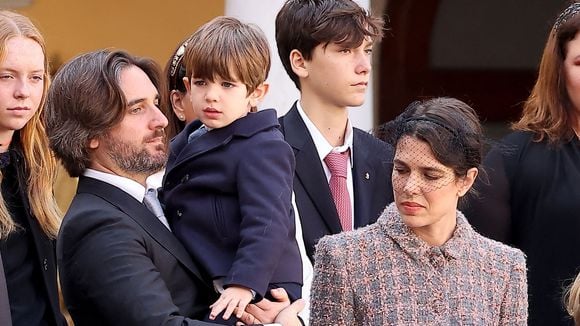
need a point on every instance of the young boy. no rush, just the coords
(325, 47)
(228, 184)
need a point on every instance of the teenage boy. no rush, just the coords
(343, 174)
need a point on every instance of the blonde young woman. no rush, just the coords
(29, 218)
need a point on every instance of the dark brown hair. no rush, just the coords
(304, 24)
(548, 110)
(450, 127)
(85, 101)
(174, 73)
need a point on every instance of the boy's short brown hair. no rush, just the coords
(230, 49)
(304, 24)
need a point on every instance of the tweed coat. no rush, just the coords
(384, 274)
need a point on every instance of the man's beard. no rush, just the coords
(133, 160)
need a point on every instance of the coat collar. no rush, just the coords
(245, 127)
(455, 248)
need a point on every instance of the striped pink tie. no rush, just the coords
(336, 163)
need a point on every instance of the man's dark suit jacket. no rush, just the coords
(228, 197)
(371, 173)
(119, 265)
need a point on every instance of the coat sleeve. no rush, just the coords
(107, 263)
(514, 307)
(332, 301)
(264, 179)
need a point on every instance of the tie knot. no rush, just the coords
(336, 163)
(152, 202)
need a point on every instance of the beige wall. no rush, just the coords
(143, 27)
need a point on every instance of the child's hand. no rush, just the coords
(234, 298)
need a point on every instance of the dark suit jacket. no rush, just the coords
(228, 197)
(371, 173)
(120, 266)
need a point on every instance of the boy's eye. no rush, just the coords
(345, 50)
(369, 51)
(199, 82)
(227, 84)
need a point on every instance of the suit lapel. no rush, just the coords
(309, 170)
(362, 179)
(142, 216)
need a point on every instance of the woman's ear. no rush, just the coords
(258, 94)
(177, 99)
(467, 181)
(298, 64)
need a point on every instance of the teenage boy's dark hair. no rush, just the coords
(304, 24)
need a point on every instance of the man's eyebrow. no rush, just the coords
(135, 101)
(139, 100)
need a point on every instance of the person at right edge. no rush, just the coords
(343, 176)
(531, 200)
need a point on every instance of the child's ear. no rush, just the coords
(187, 84)
(298, 63)
(258, 94)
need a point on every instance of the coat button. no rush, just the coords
(45, 264)
(179, 213)
(185, 178)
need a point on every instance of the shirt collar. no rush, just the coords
(322, 145)
(455, 248)
(132, 187)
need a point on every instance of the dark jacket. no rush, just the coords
(228, 198)
(44, 246)
(119, 265)
(371, 173)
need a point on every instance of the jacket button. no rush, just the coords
(179, 213)
(45, 264)
(185, 178)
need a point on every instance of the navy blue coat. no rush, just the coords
(227, 196)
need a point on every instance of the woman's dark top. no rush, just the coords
(533, 202)
(27, 293)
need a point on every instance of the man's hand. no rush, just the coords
(289, 316)
(266, 310)
(234, 298)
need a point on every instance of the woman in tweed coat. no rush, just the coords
(421, 263)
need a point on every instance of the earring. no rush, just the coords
(181, 117)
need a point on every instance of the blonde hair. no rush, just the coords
(39, 163)
(572, 300)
